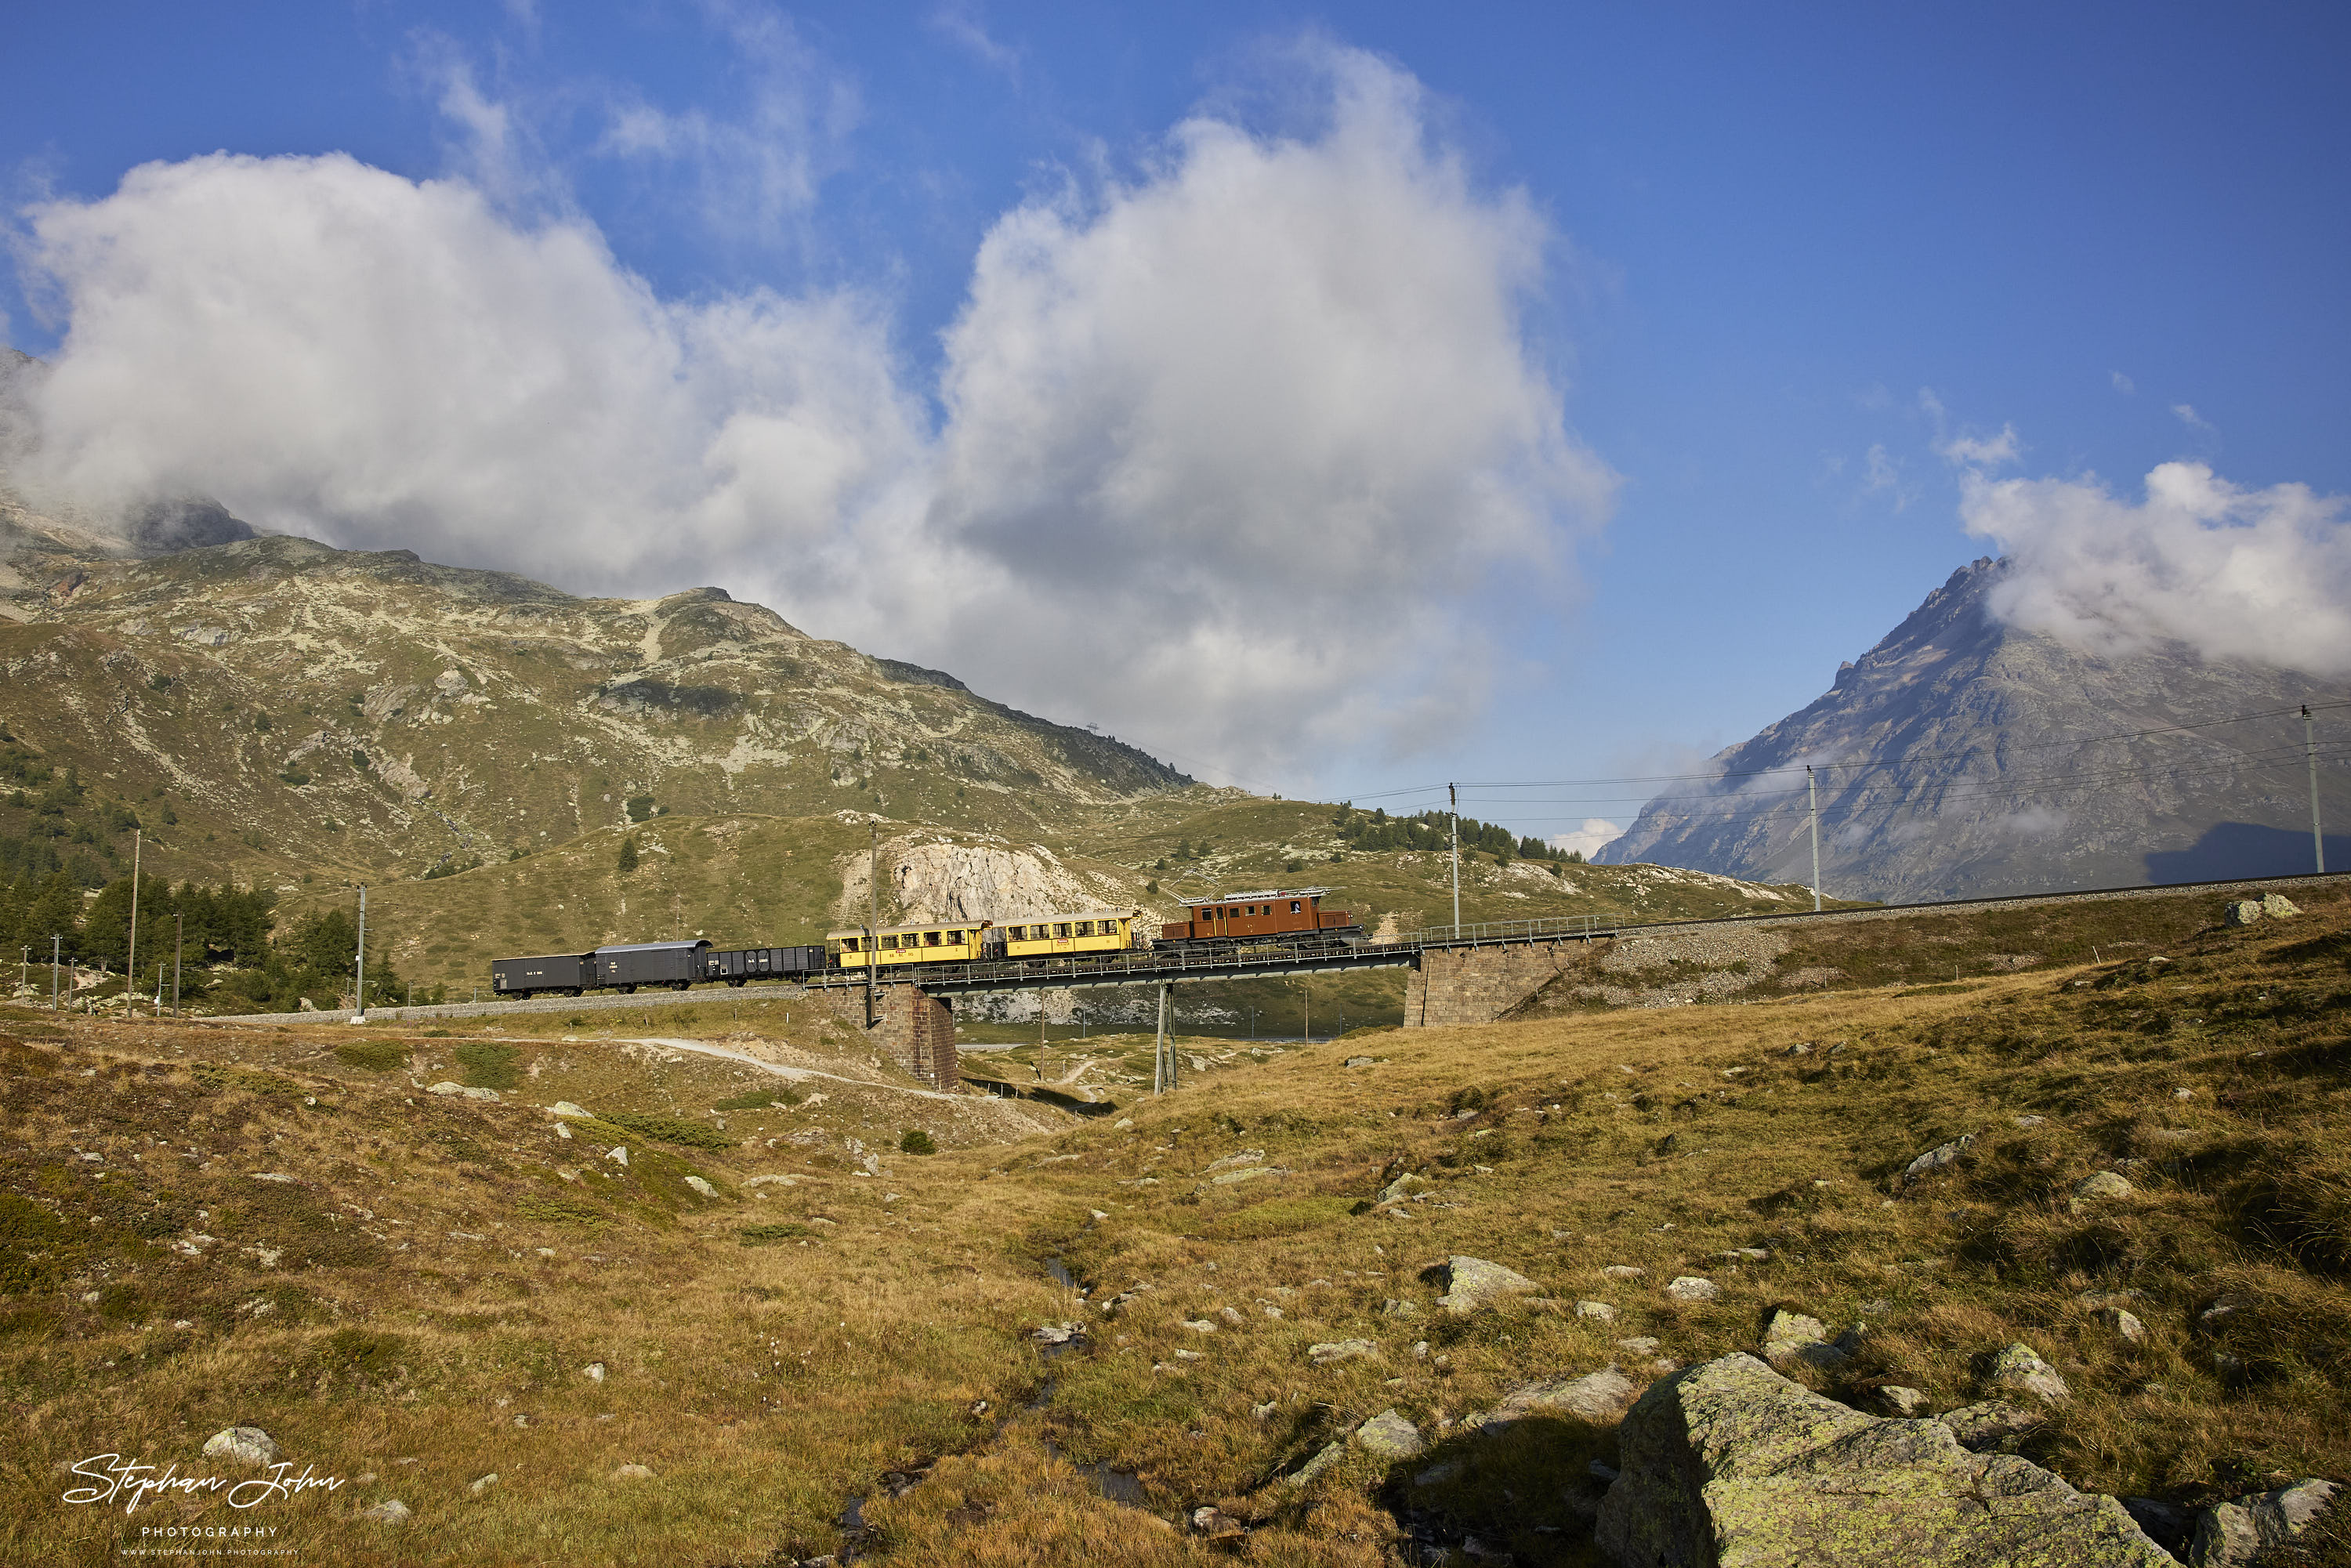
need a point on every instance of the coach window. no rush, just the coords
(1294, 908)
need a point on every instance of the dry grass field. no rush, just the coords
(408, 1290)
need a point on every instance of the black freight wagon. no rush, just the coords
(676, 965)
(745, 963)
(570, 973)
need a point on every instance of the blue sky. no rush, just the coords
(1768, 269)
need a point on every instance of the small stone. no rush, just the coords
(1343, 1350)
(1330, 1455)
(1897, 1400)
(1189, 1355)
(1396, 1308)
(1622, 1271)
(632, 1473)
(2183, 1094)
(595, 1370)
(1217, 1525)
(1692, 1288)
(392, 1511)
(1200, 1325)
(1597, 1397)
(2278, 907)
(1229, 1315)
(619, 1157)
(2028, 1121)
(1598, 1312)
(2127, 1325)
(2243, 912)
(243, 1445)
(1096, 1215)
(701, 1186)
(1265, 1412)
(1359, 1061)
(1802, 1047)
(1639, 1345)
(1388, 1435)
(1473, 1282)
(1402, 1187)
(1788, 1334)
(482, 1484)
(2101, 1185)
(565, 1108)
(1420, 1350)
(1938, 1157)
(1123, 1125)
(2017, 1366)
(1979, 1426)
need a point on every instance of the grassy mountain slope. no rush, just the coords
(370, 715)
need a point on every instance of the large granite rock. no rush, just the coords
(1729, 1465)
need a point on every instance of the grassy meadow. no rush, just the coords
(419, 1303)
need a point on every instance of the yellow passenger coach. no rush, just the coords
(950, 943)
(1055, 935)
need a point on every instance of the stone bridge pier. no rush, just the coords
(911, 1027)
(1477, 984)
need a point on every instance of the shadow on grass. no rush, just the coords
(1002, 1090)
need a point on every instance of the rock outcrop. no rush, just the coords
(1730, 1464)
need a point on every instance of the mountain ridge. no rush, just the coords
(1961, 756)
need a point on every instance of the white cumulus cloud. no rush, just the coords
(1587, 839)
(1238, 456)
(2261, 575)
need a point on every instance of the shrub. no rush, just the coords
(760, 1100)
(769, 1235)
(641, 807)
(915, 1141)
(488, 1066)
(669, 1129)
(375, 1055)
(295, 776)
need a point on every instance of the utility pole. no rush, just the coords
(1308, 986)
(359, 1013)
(1040, 1037)
(53, 971)
(1813, 788)
(1453, 798)
(130, 963)
(1162, 1064)
(179, 948)
(873, 917)
(2310, 749)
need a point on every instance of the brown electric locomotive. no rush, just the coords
(1292, 917)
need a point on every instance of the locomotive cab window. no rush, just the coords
(1294, 907)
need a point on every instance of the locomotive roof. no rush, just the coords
(652, 947)
(1263, 893)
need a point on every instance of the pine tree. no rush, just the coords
(628, 855)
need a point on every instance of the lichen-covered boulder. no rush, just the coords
(1729, 1465)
